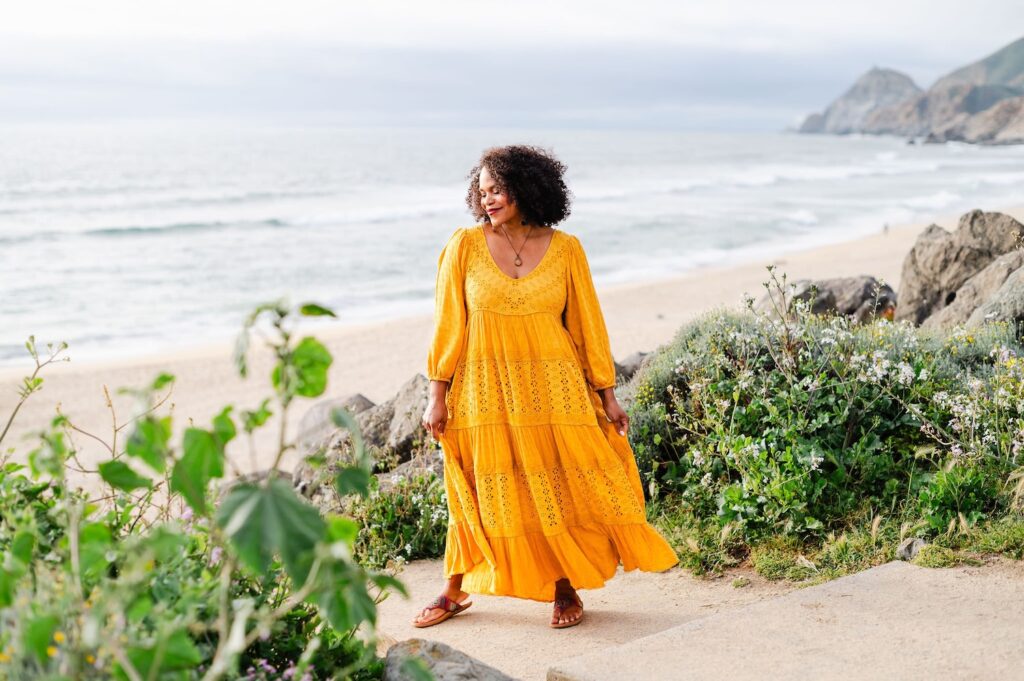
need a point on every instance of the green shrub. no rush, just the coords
(158, 577)
(407, 522)
(791, 425)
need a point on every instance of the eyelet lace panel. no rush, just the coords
(523, 392)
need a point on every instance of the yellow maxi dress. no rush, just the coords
(539, 483)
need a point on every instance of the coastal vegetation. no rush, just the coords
(161, 574)
(810, 446)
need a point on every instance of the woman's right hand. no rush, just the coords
(435, 417)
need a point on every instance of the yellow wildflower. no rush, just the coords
(90, 659)
(59, 637)
(4, 657)
(51, 651)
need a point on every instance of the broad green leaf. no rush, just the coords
(120, 476)
(255, 419)
(353, 480)
(94, 541)
(223, 427)
(50, 456)
(7, 580)
(385, 581)
(314, 310)
(148, 441)
(37, 635)
(164, 542)
(162, 380)
(264, 521)
(344, 419)
(340, 528)
(345, 601)
(202, 461)
(307, 367)
(142, 606)
(173, 653)
(22, 545)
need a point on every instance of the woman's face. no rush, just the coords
(500, 209)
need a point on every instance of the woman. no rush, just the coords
(544, 496)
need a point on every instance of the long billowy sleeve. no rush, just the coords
(585, 323)
(450, 315)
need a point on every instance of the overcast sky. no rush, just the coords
(730, 64)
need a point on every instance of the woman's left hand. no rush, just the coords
(616, 414)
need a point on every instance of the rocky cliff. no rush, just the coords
(876, 89)
(982, 102)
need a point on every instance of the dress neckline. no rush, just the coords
(494, 263)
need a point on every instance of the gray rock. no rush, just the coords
(855, 297)
(391, 432)
(876, 89)
(405, 429)
(909, 549)
(941, 262)
(445, 662)
(316, 425)
(630, 365)
(1005, 305)
(374, 425)
(976, 291)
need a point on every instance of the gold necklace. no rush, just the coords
(518, 260)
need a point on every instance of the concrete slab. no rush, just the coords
(895, 621)
(513, 634)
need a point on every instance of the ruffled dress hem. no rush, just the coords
(527, 566)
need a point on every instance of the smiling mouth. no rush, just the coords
(492, 211)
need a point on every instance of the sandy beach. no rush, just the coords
(376, 359)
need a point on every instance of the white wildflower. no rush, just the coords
(816, 460)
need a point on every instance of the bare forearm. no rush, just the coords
(438, 390)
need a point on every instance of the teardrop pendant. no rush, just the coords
(519, 261)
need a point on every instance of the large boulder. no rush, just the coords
(976, 291)
(446, 663)
(391, 431)
(860, 298)
(405, 431)
(317, 426)
(941, 262)
(1006, 305)
(630, 366)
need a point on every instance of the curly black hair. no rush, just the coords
(531, 177)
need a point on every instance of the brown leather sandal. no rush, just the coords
(563, 602)
(451, 608)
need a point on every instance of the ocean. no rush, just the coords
(132, 239)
